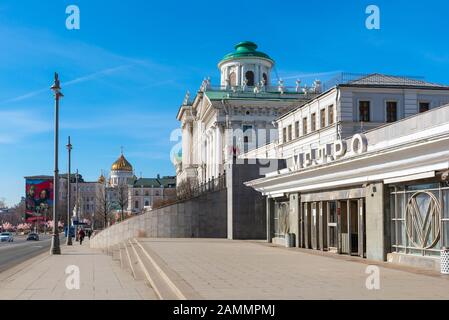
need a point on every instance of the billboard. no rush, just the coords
(39, 199)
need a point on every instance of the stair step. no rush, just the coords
(124, 258)
(156, 281)
(116, 253)
(136, 266)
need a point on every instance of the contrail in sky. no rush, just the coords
(69, 83)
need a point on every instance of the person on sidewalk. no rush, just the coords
(81, 235)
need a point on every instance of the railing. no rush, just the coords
(303, 91)
(188, 190)
(211, 185)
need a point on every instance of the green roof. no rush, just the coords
(246, 49)
(166, 182)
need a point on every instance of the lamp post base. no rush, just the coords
(55, 248)
(69, 241)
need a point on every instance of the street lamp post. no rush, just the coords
(69, 236)
(55, 248)
(76, 208)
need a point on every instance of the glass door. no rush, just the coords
(332, 228)
(314, 225)
(362, 228)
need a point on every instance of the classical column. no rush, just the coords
(212, 153)
(218, 149)
(186, 144)
(208, 147)
(237, 75)
(256, 74)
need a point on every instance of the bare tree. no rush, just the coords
(122, 199)
(186, 189)
(14, 215)
(163, 203)
(104, 207)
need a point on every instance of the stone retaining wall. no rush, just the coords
(200, 217)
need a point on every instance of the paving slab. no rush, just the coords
(44, 277)
(224, 269)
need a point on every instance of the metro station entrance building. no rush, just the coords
(382, 194)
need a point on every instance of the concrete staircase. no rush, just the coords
(145, 265)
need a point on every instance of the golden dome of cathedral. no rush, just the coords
(122, 165)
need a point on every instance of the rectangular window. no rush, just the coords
(424, 107)
(331, 114)
(322, 118)
(284, 135)
(364, 111)
(304, 126)
(392, 111)
(290, 138)
(297, 129)
(313, 122)
(136, 205)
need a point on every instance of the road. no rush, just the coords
(13, 253)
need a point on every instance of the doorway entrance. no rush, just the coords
(336, 226)
(351, 226)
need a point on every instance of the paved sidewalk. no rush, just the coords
(43, 277)
(222, 269)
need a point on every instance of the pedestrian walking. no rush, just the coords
(81, 235)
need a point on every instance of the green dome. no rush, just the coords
(246, 49)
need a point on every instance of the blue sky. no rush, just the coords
(125, 72)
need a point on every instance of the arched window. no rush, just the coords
(249, 75)
(233, 79)
(265, 78)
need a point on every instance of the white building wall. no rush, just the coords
(345, 102)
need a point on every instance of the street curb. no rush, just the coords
(177, 284)
(25, 265)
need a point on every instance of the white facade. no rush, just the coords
(335, 114)
(145, 194)
(218, 124)
(394, 152)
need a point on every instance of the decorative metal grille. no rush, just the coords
(422, 220)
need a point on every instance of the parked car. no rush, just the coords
(6, 237)
(33, 237)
